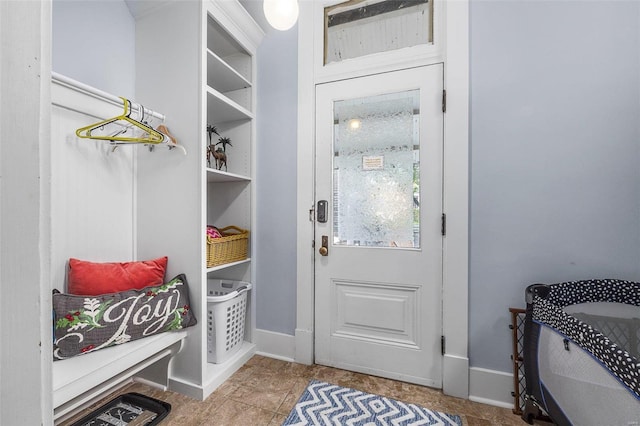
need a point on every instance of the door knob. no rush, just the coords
(324, 249)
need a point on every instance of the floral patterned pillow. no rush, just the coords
(83, 324)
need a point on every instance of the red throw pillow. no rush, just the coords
(93, 279)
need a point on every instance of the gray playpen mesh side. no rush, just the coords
(557, 311)
(624, 332)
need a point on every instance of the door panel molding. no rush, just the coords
(398, 327)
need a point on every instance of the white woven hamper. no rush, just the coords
(226, 313)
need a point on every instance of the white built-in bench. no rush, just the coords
(102, 182)
(80, 380)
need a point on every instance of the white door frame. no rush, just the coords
(454, 45)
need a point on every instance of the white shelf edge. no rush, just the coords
(214, 175)
(228, 265)
(248, 115)
(228, 67)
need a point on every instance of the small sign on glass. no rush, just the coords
(373, 162)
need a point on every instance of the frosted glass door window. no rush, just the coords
(376, 171)
(362, 27)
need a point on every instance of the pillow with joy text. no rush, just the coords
(93, 278)
(84, 324)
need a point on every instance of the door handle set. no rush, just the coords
(324, 248)
(321, 216)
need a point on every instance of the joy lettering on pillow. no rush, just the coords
(85, 324)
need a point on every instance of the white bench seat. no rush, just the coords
(82, 379)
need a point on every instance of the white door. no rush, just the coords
(378, 248)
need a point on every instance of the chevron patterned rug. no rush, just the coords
(324, 404)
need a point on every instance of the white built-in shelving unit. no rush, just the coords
(195, 61)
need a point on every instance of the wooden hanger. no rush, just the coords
(169, 140)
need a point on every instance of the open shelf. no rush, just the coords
(228, 265)
(222, 76)
(222, 109)
(225, 46)
(214, 175)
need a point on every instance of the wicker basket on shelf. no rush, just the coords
(231, 247)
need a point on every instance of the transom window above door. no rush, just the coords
(362, 27)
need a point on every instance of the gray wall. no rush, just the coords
(555, 181)
(277, 116)
(94, 42)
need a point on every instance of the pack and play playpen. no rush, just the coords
(582, 352)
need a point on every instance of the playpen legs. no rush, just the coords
(530, 411)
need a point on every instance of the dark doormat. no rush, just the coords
(129, 409)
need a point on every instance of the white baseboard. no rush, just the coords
(491, 387)
(275, 345)
(455, 376)
(304, 346)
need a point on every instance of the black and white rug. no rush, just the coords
(326, 404)
(128, 409)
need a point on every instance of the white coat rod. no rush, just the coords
(99, 94)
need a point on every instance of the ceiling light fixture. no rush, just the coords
(281, 14)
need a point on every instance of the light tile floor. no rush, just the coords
(264, 391)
